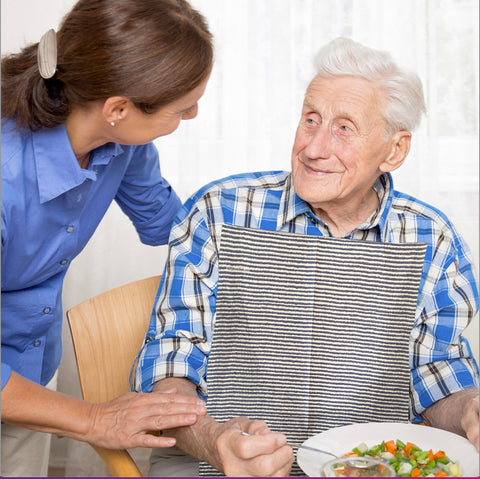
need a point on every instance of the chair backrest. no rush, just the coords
(107, 332)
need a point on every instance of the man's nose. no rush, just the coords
(319, 145)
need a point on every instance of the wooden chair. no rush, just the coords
(107, 332)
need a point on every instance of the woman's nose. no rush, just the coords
(191, 113)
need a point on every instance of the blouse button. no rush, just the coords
(70, 229)
(64, 261)
(46, 309)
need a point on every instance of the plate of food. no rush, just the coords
(412, 450)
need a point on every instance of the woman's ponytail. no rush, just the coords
(32, 101)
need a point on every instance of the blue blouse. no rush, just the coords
(50, 209)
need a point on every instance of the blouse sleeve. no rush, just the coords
(147, 198)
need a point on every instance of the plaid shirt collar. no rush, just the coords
(292, 206)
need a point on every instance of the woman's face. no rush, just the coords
(137, 128)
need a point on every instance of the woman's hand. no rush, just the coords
(122, 423)
(132, 419)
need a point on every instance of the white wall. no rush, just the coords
(248, 116)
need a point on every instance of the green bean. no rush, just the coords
(400, 444)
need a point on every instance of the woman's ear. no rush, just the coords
(115, 108)
(400, 146)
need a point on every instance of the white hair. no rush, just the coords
(402, 89)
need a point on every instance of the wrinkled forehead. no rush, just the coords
(344, 95)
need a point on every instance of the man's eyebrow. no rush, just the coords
(339, 114)
(310, 105)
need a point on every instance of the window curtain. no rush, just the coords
(249, 113)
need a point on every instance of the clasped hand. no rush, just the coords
(262, 454)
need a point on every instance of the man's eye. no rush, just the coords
(310, 121)
(344, 128)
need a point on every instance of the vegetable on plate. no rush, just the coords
(409, 460)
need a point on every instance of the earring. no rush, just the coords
(112, 123)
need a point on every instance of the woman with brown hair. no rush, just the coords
(79, 112)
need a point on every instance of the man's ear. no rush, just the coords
(400, 146)
(115, 108)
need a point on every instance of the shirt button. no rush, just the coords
(37, 343)
(46, 309)
(64, 261)
(70, 229)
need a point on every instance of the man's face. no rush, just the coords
(340, 146)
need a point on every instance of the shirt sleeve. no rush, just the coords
(6, 369)
(180, 334)
(147, 198)
(442, 361)
(6, 372)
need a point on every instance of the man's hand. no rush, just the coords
(223, 446)
(470, 422)
(457, 413)
(262, 454)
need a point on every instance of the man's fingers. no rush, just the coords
(275, 464)
(260, 444)
(258, 427)
(284, 461)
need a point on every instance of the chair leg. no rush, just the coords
(119, 462)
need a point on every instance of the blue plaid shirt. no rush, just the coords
(180, 334)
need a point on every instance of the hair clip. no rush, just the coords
(47, 54)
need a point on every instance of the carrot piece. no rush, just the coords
(415, 472)
(408, 447)
(439, 454)
(390, 446)
(431, 457)
(441, 474)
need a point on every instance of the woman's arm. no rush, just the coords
(146, 197)
(121, 423)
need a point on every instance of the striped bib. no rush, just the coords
(311, 333)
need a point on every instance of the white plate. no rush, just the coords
(341, 440)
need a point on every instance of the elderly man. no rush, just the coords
(355, 129)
